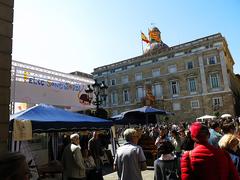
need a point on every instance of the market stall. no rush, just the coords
(51, 120)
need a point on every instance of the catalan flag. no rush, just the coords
(154, 35)
(144, 38)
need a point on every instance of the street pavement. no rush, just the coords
(147, 175)
(110, 175)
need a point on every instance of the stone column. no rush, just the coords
(6, 29)
(202, 75)
(224, 71)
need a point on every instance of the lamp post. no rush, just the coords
(99, 90)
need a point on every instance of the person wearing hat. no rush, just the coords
(166, 166)
(205, 161)
(73, 164)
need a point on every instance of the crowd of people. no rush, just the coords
(187, 151)
(83, 162)
(200, 150)
(80, 159)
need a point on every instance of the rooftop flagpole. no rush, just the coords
(142, 42)
(145, 39)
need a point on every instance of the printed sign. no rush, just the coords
(33, 88)
(22, 130)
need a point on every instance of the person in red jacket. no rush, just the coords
(205, 162)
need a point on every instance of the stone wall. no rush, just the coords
(6, 29)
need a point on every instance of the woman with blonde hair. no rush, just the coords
(230, 143)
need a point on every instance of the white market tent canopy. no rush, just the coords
(206, 117)
(226, 116)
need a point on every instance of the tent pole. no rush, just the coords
(146, 118)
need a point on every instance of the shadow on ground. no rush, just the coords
(107, 169)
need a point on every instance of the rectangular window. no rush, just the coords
(174, 88)
(114, 98)
(138, 64)
(190, 65)
(138, 76)
(155, 72)
(140, 93)
(124, 67)
(195, 104)
(176, 106)
(112, 71)
(217, 102)
(212, 60)
(157, 91)
(192, 85)
(104, 103)
(214, 80)
(113, 82)
(172, 69)
(125, 96)
(124, 79)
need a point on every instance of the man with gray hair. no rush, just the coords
(130, 159)
(73, 164)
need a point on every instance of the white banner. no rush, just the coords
(35, 87)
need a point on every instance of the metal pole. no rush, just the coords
(11, 142)
(14, 92)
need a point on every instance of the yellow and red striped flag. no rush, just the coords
(144, 38)
(154, 35)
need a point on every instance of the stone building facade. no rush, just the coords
(6, 29)
(190, 79)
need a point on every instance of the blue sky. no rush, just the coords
(80, 35)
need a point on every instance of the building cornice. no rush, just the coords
(163, 52)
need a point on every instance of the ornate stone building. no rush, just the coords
(190, 79)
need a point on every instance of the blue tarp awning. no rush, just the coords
(49, 118)
(142, 115)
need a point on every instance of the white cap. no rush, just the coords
(74, 136)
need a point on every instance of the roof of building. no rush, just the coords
(160, 49)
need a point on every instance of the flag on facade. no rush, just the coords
(154, 35)
(144, 38)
